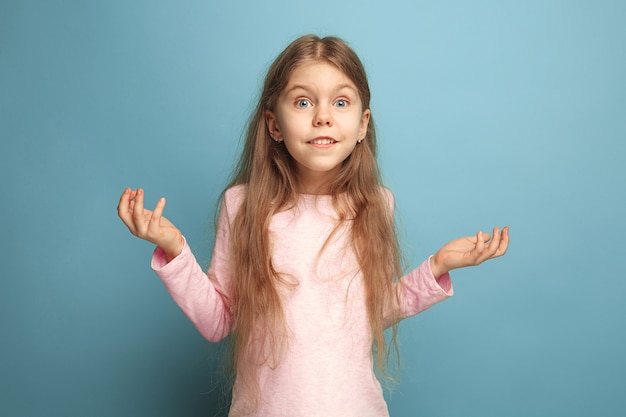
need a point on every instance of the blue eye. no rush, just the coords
(303, 103)
(341, 103)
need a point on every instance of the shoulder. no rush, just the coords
(233, 198)
(236, 192)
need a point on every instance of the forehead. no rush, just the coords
(318, 75)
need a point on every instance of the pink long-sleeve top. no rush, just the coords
(327, 369)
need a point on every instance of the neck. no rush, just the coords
(315, 182)
(310, 186)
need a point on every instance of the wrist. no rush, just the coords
(172, 251)
(436, 268)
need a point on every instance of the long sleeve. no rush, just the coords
(203, 297)
(422, 290)
(418, 290)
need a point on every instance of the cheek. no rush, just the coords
(293, 124)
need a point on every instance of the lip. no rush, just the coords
(322, 142)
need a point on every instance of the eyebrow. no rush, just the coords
(305, 88)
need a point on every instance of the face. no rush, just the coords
(319, 117)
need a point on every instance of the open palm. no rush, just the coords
(470, 251)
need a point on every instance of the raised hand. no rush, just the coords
(470, 251)
(149, 225)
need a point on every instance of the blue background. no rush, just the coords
(489, 113)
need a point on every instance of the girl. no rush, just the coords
(305, 274)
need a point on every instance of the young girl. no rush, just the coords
(305, 274)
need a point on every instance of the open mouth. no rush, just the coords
(322, 141)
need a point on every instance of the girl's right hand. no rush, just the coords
(149, 225)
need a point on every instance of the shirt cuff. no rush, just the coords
(444, 282)
(159, 260)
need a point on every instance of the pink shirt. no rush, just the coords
(328, 367)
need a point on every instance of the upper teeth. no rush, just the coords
(322, 141)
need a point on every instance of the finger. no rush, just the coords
(122, 205)
(133, 194)
(123, 210)
(131, 204)
(489, 247)
(495, 241)
(138, 213)
(504, 243)
(155, 220)
(499, 244)
(480, 244)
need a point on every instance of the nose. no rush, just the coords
(322, 116)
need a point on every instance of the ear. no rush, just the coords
(365, 121)
(272, 125)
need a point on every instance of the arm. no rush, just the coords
(430, 283)
(202, 297)
(418, 291)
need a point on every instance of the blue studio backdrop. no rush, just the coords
(488, 113)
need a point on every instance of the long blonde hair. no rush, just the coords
(267, 170)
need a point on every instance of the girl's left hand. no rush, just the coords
(469, 251)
